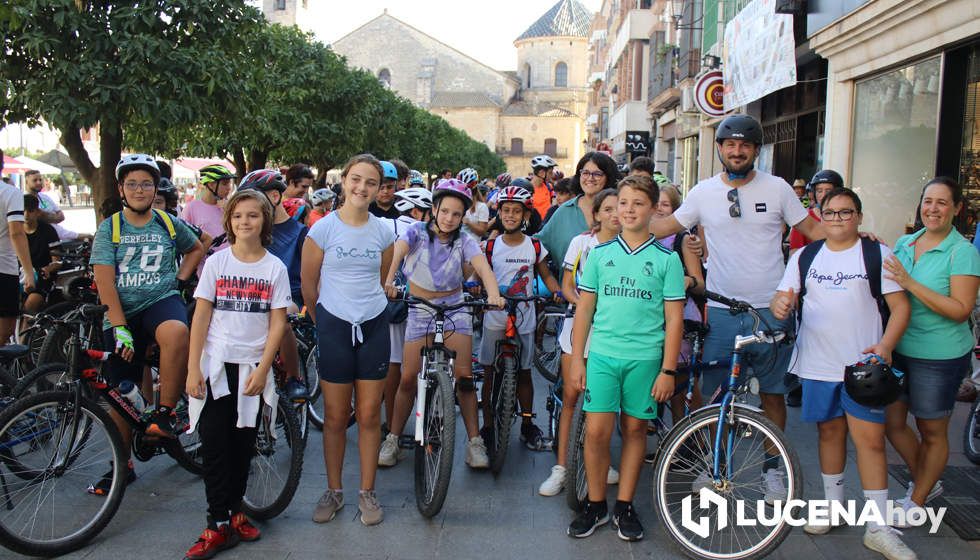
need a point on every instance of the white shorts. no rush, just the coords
(488, 348)
(397, 333)
(565, 337)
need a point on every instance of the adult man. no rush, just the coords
(134, 260)
(543, 175)
(384, 205)
(206, 212)
(299, 179)
(13, 248)
(743, 210)
(51, 213)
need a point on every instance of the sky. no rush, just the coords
(482, 30)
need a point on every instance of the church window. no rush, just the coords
(516, 146)
(280, 4)
(551, 147)
(527, 75)
(384, 76)
(561, 75)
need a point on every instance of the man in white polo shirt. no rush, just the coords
(743, 212)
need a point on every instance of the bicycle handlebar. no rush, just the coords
(734, 305)
(415, 300)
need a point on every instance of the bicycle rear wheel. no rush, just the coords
(971, 433)
(53, 455)
(690, 445)
(547, 351)
(434, 456)
(576, 487)
(504, 401)
(187, 449)
(277, 464)
(311, 374)
(49, 377)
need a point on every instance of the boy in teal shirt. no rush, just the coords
(632, 295)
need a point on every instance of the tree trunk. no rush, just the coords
(257, 159)
(101, 179)
(238, 155)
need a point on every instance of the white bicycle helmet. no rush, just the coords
(543, 162)
(468, 176)
(321, 196)
(413, 197)
(138, 161)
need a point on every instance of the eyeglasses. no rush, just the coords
(735, 210)
(843, 215)
(139, 186)
(593, 174)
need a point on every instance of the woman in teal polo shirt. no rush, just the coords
(940, 270)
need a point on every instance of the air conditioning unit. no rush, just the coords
(687, 100)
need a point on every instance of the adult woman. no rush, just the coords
(940, 270)
(594, 172)
(349, 251)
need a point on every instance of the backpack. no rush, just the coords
(535, 242)
(870, 252)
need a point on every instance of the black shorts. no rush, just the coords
(143, 325)
(9, 295)
(340, 360)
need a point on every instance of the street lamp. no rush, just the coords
(677, 9)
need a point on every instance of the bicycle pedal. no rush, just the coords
(406, 442)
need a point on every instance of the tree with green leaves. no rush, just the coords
(125, 68)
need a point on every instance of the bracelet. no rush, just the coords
(670, 372)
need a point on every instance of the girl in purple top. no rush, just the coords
(437, 259)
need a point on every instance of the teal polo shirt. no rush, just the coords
(630, 288)
(931, 336)
(556, 235)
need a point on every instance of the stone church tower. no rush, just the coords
(289, 12)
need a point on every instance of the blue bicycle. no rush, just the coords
(722, 447)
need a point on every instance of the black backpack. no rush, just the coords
(871, 253)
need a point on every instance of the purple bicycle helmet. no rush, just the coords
(452, 187)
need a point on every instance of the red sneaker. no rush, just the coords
(212, 542)
(246, 531)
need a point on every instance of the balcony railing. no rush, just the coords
(662, 74)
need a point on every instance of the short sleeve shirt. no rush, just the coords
(578, 253)
(745, 253)
(12, 206)
(514, 270)
(434, 265)
(287, 244)
(39, 243)
(350, 276)
(631, 287)
(243, 294)
(480, 212)
(567, 222)
(145, 259)
(929, 335)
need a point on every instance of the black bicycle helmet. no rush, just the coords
(873, 383)
(826, 176)
(167, 190)
(739, 127)
(522, 183)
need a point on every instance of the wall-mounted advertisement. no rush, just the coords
(759, 54)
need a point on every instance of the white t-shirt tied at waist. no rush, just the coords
(745, 253)
(350, 276)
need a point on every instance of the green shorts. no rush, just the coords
(613, 384)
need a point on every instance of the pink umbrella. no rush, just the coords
(12, 165)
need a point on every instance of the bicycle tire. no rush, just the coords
(674, 445)
(261, 500)
(106, 506)
(547, 360)
(577, 486)
(49, 377)
(186, 451)
(434, 459)
(504, 401)
(311, 374)
(35, 336)
(971, 434)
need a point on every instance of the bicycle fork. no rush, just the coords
(420, 388)
(725, 418)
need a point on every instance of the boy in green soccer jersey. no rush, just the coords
(632, 294)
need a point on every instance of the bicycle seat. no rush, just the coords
(696, 327)
(11, 352)
(90, 311)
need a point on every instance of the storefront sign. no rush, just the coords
(709, 93)
(759, 55)
(638, 142)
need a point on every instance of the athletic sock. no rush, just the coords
(880, 498)
(833, 487)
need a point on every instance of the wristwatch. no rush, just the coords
(670, 372)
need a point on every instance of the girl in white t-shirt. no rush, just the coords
(604, 212)
(239, 321)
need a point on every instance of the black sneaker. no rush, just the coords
(296, 391)
(163, 424)
(532, 437)
(591, 516)
(628, 524)
(101, 488)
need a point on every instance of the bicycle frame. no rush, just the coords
(438, 344)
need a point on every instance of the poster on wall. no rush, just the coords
(759, 54)
(638, 142)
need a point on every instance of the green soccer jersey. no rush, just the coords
(630, 288)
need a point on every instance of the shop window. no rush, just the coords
(893, 146)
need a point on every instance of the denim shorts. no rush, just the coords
(826, 400)
(768, 362)
(931, 385)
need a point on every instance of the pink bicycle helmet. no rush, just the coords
(452, 187)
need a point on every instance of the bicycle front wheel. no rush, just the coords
(547, 350)
(504, 401)
(54, 454)
(434, 456)
(576, 487)
(311, 374)
(187, 449)
(679, 474)
(277, 464)
(971, 433)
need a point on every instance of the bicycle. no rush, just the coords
(435, 412)
(725, 439)
(503, 390)
(547, 351)
(51, 441)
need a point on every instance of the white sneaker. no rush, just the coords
(773, 486)
(476, 453)
(937, 490)
(702, 481)
(612, 477)
(555, 482)
(907, 505)
(819, 529)
(390, 453)
(885, 540)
